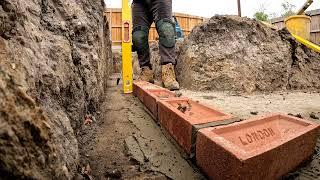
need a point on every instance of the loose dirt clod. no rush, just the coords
(87, 172)
(189, 106)
(208, 97)
(178, 94)
(182, 108)
(313, 116)
(87, 121)
(114, 174)
(296, 115)
(254, 113)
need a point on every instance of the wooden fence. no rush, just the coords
(315, 25)
(187, 22)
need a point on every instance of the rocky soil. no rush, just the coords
(55, 59)
(241, 54)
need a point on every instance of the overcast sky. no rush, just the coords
(208, 8)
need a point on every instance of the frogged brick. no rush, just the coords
(263, 148)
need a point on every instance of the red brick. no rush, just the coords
(136, 87)
(140, 86)
(152, 96)
(182, 126)
(262, 148)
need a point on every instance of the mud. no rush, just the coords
(129, 141)
(55, 59)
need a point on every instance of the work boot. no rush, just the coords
(146, 74)
(169, 77)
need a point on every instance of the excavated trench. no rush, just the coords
(59, 118)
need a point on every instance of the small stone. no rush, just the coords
(114, 174)
(87, 122)
(178, 94)
(86, 172)
(93, 119)
(313, 116)
(297, 115)
(254, 113)
(182, 108)
(13, 66)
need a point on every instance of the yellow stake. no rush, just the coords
(126, 47)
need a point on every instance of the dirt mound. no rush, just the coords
(241, 54)
(55, 55)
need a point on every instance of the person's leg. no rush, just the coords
(162, 16)
(142, 19)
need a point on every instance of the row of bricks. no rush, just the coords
(262, 148)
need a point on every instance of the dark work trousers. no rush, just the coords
(143, 14)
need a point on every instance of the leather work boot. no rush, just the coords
(169, 77)
(146, 75)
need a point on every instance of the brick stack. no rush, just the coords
(267, 147)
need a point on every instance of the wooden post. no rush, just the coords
(110, 24)
(239, 8)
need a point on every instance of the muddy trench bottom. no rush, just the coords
(126, 143)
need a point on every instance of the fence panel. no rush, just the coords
(315, 26)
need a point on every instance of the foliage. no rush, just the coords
(261, 16)
(287, 9)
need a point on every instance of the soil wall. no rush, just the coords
(55, 57)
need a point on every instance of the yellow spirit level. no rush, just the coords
(126, 47)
